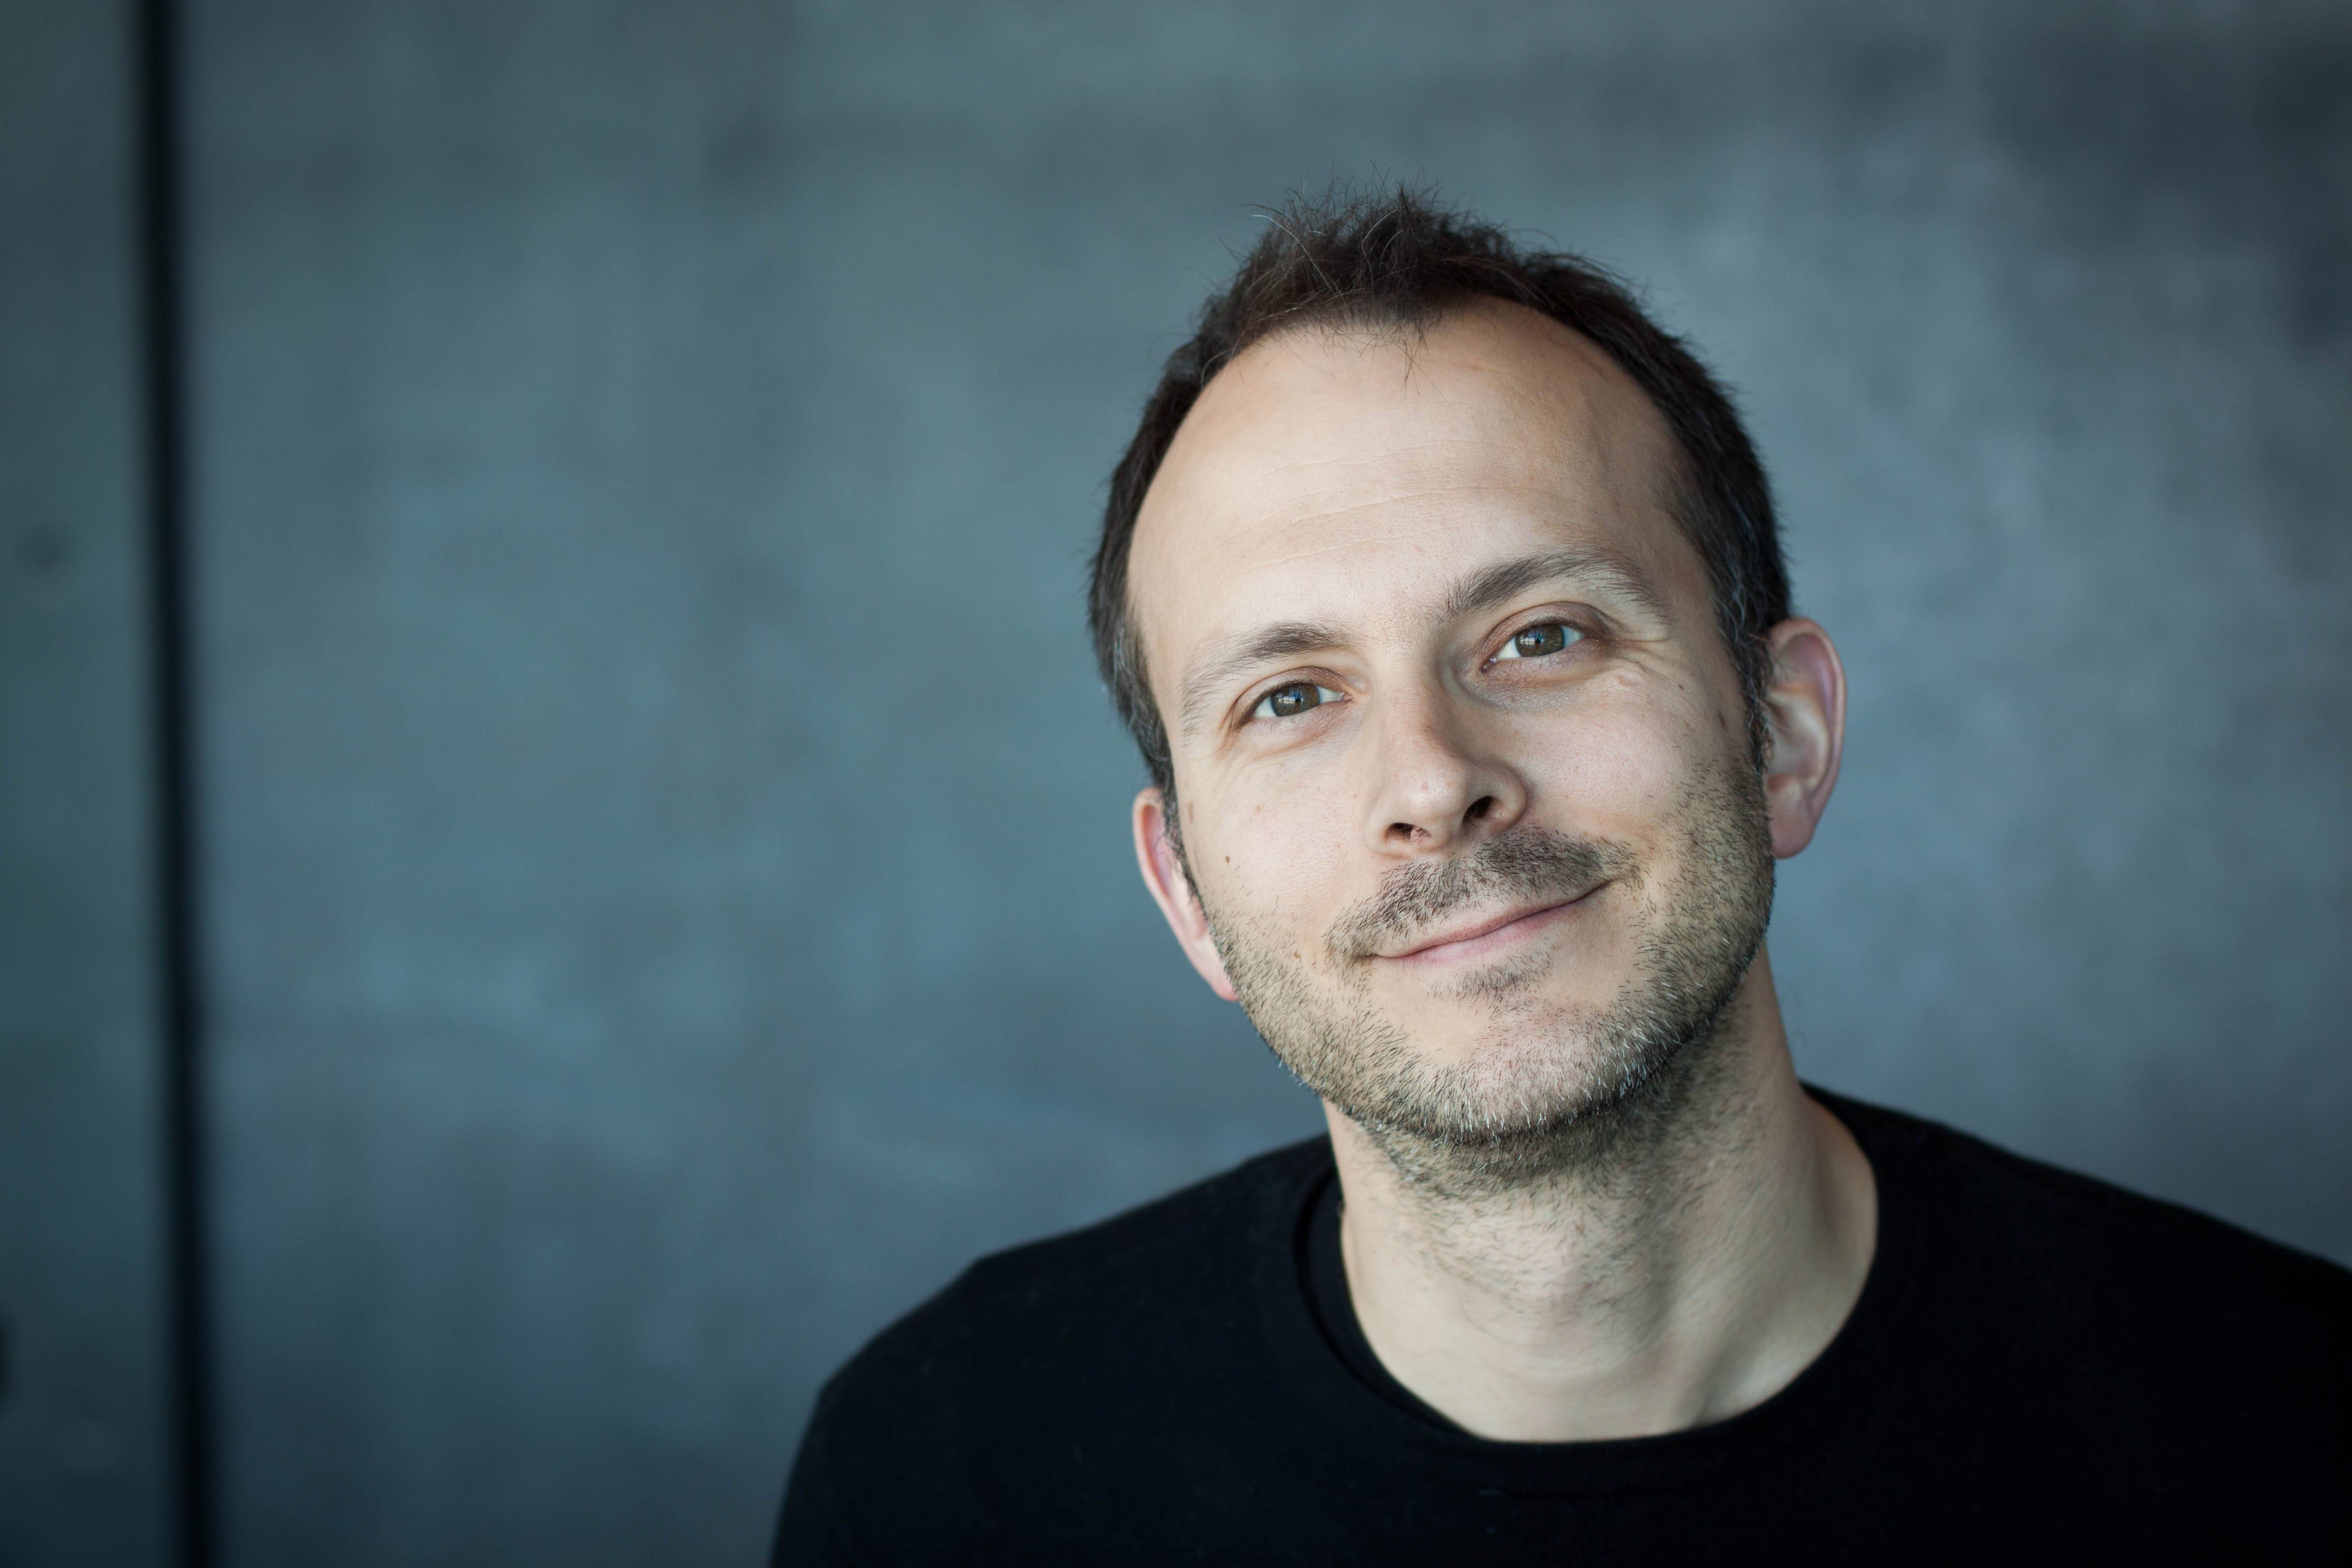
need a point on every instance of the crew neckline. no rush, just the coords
(1332, 1366)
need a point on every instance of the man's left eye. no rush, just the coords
(1288, 702)
(1537, 641)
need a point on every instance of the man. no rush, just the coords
(1443, 594)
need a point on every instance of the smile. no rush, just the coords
(1493, 935)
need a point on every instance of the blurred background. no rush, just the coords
(557, 828)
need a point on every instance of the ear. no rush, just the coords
(1172, 892)
(1805, 706)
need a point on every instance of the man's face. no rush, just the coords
(1461, 759)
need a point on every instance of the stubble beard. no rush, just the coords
(1548, 1094)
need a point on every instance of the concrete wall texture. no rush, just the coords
(85, 1418)
(667, 903)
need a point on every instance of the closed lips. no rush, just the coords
(1493, 925)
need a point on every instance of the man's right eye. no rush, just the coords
(1285, 702)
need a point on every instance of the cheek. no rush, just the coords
(1276, 856)
(1619, 764)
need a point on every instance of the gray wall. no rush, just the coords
(668, 900)
(85, 1470)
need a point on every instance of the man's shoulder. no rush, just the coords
(1039, 1360)
(2072, 1251)
(1124, 1288)
(1177, 1253)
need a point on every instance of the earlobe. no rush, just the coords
(1805, 705)
(1172, 889)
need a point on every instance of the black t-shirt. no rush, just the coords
(2039, 1366)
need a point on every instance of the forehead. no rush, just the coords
(1331, 474)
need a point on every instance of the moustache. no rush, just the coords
(1526, 863)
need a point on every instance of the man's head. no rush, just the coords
(1396, 264)
(1440, 590)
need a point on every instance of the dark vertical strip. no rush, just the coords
(174, 697)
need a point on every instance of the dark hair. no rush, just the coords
(1398, 261)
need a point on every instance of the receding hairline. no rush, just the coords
(1409, 334)
(1367, 332)
(1671, 465)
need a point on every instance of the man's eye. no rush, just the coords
(1284, 702)
(1537, 641)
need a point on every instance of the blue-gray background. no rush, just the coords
(665, 898)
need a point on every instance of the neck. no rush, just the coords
(1687, 1280)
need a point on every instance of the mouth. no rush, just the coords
(1485, 936)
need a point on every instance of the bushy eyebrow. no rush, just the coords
(1595, 570)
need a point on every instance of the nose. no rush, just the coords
(1441, 782)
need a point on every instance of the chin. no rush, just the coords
(1526, 1014)
(1541, 1063)
(1537, 1070)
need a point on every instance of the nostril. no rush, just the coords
(1479, 809)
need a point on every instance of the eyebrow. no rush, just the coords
(1482, 590)
(1282, 640)
(1506, 579)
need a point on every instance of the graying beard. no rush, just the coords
(1654, 1045)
